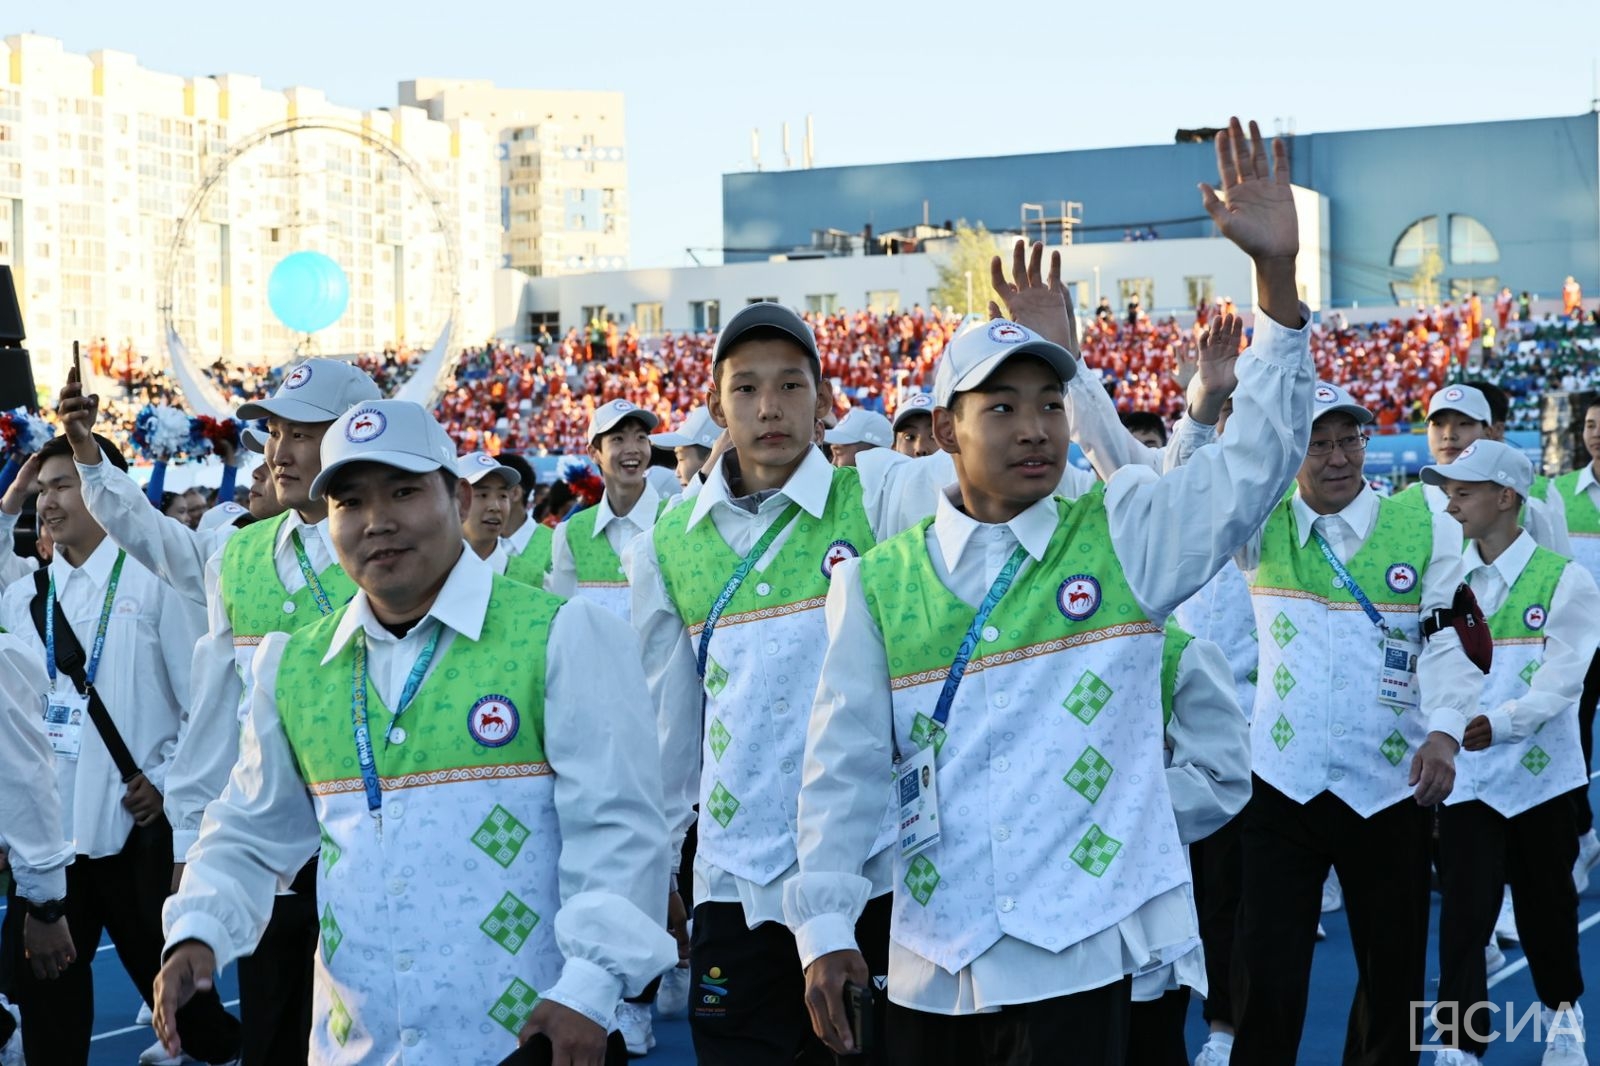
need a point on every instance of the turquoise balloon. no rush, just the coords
(307, 291)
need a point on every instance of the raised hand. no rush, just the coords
(22, 486)
(1216, 368)
(1032, 298)
(78, 413)
(1255, 207)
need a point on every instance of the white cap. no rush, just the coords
(479, 465)
(974, 355)
(918, 403)
(396, 433)
(223, 514)
(253, 439)
(1485, 460)
(1331, 399)
(317, 390)
(696, 431)
(610, 413)
(1464, 398)
(861, 426)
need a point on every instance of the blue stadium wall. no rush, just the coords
(1534, 183)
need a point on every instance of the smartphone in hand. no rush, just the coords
(858, 1009)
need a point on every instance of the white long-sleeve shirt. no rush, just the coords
(31, 828)
(613, 866)
(13, 567)
(143, 679)
(618, 530)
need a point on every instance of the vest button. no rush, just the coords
(395, 810)
(1007, 904)
(763, 589)
(772, 647)
(288, 606)
(781, 707)
(409, 1037)
(1335, 775)
(787, 766)
(397, 735)
(1001, 700)
(1002, 833)
(403, 963)
(1339, 683)
(991, 634)
(1338, 730)
(1001, 765)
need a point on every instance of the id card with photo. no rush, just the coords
(917, 789)
(1397, 680)
(64, 716)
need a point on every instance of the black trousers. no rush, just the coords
(1084, 1029)
(1217, 864)
(1155, 1032)
(120, 895)
(1480, 852)
(1586, 705)
(275, 980)
(538, 1052)
(1382, 861)
(747, 992)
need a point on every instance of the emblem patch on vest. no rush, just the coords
(1534, 616)
(1078, 597)
(838, 552)
(493, 721)
(297, 377)
(1402, 577)
(364, 426)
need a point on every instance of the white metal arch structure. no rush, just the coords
(426, 379)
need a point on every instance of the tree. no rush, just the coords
(970, 255)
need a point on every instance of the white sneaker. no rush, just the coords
(672, 999)
(11, 1051)
(1322, 934)
(1217, 1052)
(145, 1015)
(1494, 959)
(1453, 1057)
(633, 1020)
(156, 1055)
(1332, 893)
(1505, 926)
(1588, 856)
(1564, 1038)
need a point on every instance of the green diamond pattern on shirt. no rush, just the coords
(1254, 676)
(1089, 774)
(1283, 630)
(1087, 698)
(1095, 851)
(510, 923)
(1529, 670)
(1282, 732)
(923, 727)
(1394, 748)
(332, 935)
(716, 677)
(921, 879)
(1535, 761)
(339, 1023)
(501, 836)
(720, 738)
(722, 805)
(1282, 681)
(330, 851)
(511, 1010)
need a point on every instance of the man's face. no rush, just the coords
(197, 508)
(294, 455)
(914, 436)
(1591, 434)
(263, 502)
(60, 507)
(1449, 433)
(691, 457)
(1009, 441)
(622, 453)
(487, 512)
(1329, 482)
(845, 454)
(1478, 505)
(396, 534)
(769, 402)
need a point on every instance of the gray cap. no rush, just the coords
(395, 433)
(861, 426)
(317, 390)
(918, 403)
(479, 465)
(696, 431)
(977, 353)
(1485, 460)
(771, 315)
(1464, 398)
(223, 514)
(1330, 399)
(610, 413)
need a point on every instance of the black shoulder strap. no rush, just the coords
(71, 661)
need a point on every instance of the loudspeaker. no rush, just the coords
(1561, 430)
(11, 332)
(16, 369)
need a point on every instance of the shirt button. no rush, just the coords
(403, 963)
(1336, 775)
(1002, 764)
(409, 1037)
(1339, 682)
(397, 735)
(781, 707)
(1338, 730)
(991, 634)
(772, 647)
(787, 766)
(397, 887)
(1001, 699)
(288, 606)
(1008, 904)
(763, 589)
(395, 809)
(1002, 833)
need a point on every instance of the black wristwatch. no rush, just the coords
(48, 912)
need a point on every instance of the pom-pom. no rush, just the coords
(205, 433)
(23, 431)
(581, 478)
(161, 433)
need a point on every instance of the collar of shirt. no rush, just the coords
(498, 559)
(1360, 515)
(518, 541)
(97, 568)
(1586, 478)
(1508, 565)
(460, 606)
(953, 529)
(308, 530)
(808, 486)
(644, 508)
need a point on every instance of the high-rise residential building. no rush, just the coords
(563, 169)
(124, 191)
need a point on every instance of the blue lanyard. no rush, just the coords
(745, 566)
(99, 629)
(358, 710)
(958, 668)
(324, 605)
(1350, 583)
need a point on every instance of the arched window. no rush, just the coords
(1415, 246)
(1471, 241)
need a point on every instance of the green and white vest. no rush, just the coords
(1583, 521)
(442, 926)
(1056, 820)
(1511, 778)
(600, 574)
(1318, 725)
(764, 662)
(531, 565)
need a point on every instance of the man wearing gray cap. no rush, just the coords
(691, 443)
(859, 431)
(491, 484)
(1508, 822)
(492, 846)
(913, 426)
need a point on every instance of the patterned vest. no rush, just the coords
(445, 921)
(762, 670)
(1056, 821)
(600, 574)
(531, 565)
(1583, 522)
(1514, 777)
(1318, 725)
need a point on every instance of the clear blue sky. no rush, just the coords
(885, 82)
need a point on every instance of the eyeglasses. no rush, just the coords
(1349, 445)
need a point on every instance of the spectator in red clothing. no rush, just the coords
(1502, 307)
(1571, 298)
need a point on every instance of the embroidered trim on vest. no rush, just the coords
(436, 777)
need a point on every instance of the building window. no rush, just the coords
(883, 301)
(705, 316)
(1420, 238)
(822, 303)
(594, 313)
(548, 320)
(1143, 288)
(1471, 241)
(1201, 290)
(648, 318)
(1416, 263)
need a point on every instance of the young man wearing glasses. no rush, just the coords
(1351, 743)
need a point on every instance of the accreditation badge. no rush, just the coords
(64, 715)
(1397, 680)
(917, 788)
